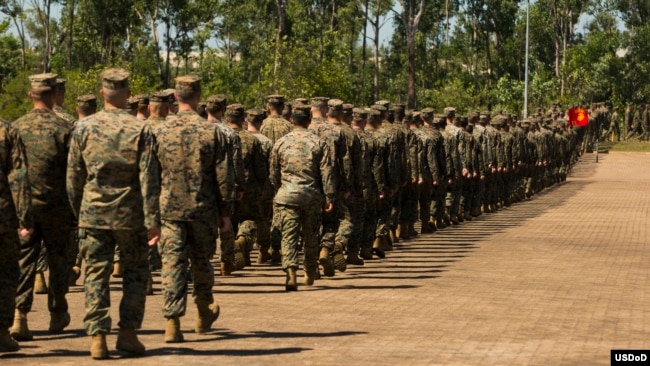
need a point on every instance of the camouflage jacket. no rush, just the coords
(197, 175)
(428, 159)
(46, 138)
(496, 145)
(15, 192)
(255, 165)
(341, 160)
(386, 160)
(275, 127)
(234, 153)
(113, 174)
(396, 135)
(61, 113)
(266, 146)
(301, 169)
(356, 158)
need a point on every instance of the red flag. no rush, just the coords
(578, 117)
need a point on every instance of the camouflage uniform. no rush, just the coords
(410, 192)
(455, 141)
(197, 187)
(429, 170)
(301, 173)
(112, 183)
(15, 212)
(46, 138)
(443, 162)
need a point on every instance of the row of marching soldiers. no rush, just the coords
(339, 183)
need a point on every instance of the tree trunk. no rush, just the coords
(71, 4)
(376, 56)
(281, 5)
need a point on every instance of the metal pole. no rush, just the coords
(526, 72)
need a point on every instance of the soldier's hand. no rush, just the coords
(154, 236)
(494, 170)
(225, 224)
(465, 171)
(482, 177)
(329, 207)
(346, 195)
(25, 233)
(381, 195)
(420, 180)
(239, 196)
(435, 182)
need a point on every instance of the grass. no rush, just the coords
(628, 146)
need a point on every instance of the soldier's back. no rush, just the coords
(275, 127)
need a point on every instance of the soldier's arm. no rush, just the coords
(346, 165)
(19, 180)
(225, 174)
(76, 173)
(275, 168)
(358, 164)
(238, 162)
(430, 158)
(378, 168)
(149, 179)
(260, 163)
(326, 173)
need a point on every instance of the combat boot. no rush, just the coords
(394, 238)
(353, 258)
(377, 247)
(310, 276)
(291, 284)
(412, 231)
(240, 248)
(466, 215)
(208, 314)
(118, 271)
(20, 330)
(486, 208)
(127, 341)
(98, 348)
(73, 275)
(276, 257)
(476, 211)
(339, 259)
(440, 224)
(366, 251)
(460, 216)
(446, 217)
(426, 228)
(150, 285)
(58, 322)
(402, 231)
(173, 332)
(432, 224)
(7, 344)
(264, 256)
(227, 268)
(325, 261)
(40, 286)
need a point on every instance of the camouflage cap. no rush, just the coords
(255, 113)
(235, 111)
(498, 120)
(417, 114)
(60, 84)
(408, 115)
(378, 107)
(301, 111)
(450, 111)
(320, 102)
(188, 83)
(373, 112)
(335, 104)
(384, 103)
(485, 114)
(143, 99)
(43, 82)
(275, 99)
(359, 113)
(89, 100)
(439, 119)
(399, 107)
(115, 79)
(300, 101)
(427, 113)
(347, 108)
(161, 97)
(216, 99)
(132, 103)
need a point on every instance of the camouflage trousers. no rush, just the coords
(9, 274)
(331, 222)
(180, 242)
(349, 221)
(264, 225)
(226, 246)
(247, 213)
(454, 194)
(52, 232)
(98, 247)
(395, 209)
(424, 200)
(372, 219)
(409, 203)
(438, 201)
(356, 207)
(295, 222)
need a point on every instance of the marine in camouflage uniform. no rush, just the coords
(468, 150)
(215, 107)
(247, 210)
(496, 165)
(443, 161)
(428, 170)
(410, 192)
(301, 173)
(341, 164)
(482, 160)
(15, 212)
(456, 144)
(254, 118)
(46, 138)
(340, 115)
(196, 198)
(112, 184)
(273, 127)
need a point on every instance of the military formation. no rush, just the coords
(167, 182)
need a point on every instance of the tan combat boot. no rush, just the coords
(240, 257)
(366, 251)
(73, 276)
(378, 248)
(353, 258)
(426, 228)
(339, 259)
(227, 268)
(58, 322)
(7, 344)
(118, 270)
(325, 261)
(402, 231)
(264, 256)
(40, 286)
(291, 284)
(208, 314)
(98, 348)
(20, 330)
(394, 238)
(127, 341)
(173, 332)
(276, 257)
(412, 230)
